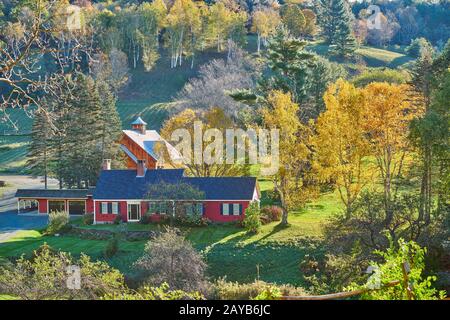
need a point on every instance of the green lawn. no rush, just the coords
(374, 57)
(13, 151)
(229, 251)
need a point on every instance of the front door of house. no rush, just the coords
(134, 212)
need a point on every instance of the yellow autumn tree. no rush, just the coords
(183, 28)
(264, 23)
(292, 182)
(214, 118)
(388, 113)
(340, 142)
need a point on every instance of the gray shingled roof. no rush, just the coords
(54, 193)
(123, 184)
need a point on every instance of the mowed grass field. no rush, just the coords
(228, 250)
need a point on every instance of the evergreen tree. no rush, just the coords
(40, 151)
(110, 125)
(289, 64)
(81, 148)
(336, 23)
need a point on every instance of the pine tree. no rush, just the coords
(40, 151)
(336, 23)
(289, 64)
(82, 151)
(110, 124)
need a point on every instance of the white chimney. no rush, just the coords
(106, 165)
(141, 168)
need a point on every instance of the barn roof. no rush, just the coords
(148, 142)
(139, 121)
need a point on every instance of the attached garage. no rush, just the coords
(73, 201)
(77, 207)
(56, 205)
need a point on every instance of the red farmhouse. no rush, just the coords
(124, 192)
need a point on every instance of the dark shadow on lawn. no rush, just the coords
(279, 227)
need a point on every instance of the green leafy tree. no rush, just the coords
(252, 220)
(293, 19)
(175, 195)
(404, 263)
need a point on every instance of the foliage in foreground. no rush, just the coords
(170, 258)
(57, 222)
(397, 260)
(252, 220)
(154, 293)
(224, 290)
(47, 274)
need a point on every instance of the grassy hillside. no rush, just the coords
(373, 57)
(13, 150)
(149, 94)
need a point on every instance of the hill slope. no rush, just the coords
(149, 93)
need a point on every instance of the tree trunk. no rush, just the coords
(259, 43)
(284, 217)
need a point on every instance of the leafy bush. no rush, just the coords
(88, 219)
(416, 47)
(252, 220)
(224, 290)
(380, 75)
(45, 277)
(195, 220)
(408, 255)
(112, 246)
(145, 218)
(155, 293)
(272, 213)
(58, 222)
(118, 219)
(170, 258)
(269, 293)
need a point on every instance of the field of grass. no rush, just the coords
(13, 151)
(374, 57)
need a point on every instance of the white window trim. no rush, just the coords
(104, 207)
(225, 209)
(236, 207)
(115, 208)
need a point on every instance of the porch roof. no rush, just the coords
(54, 193)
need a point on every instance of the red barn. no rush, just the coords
(139, 144)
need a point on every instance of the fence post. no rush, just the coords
(406, 286)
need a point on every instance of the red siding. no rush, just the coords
(109, 217)
(89, 205)
(138, 152)
(42, 205)
(212, 211)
